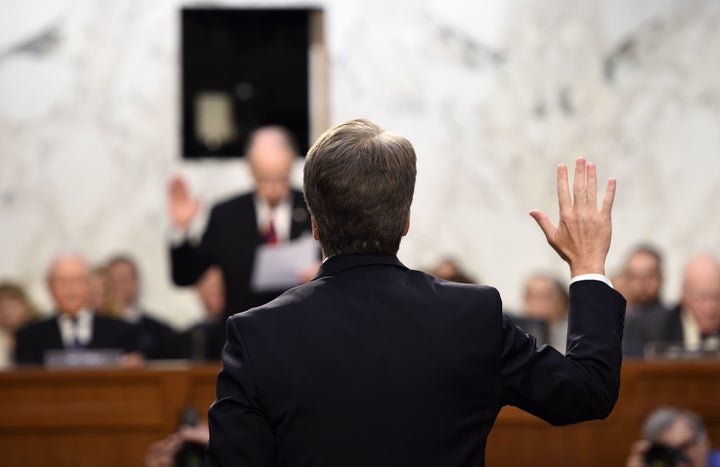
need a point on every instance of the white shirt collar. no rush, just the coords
(281, 216)
(80, 328)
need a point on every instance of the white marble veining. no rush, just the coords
(492, 94)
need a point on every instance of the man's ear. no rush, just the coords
(314, 226)
(407, 225)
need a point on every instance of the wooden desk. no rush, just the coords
(103, 417)
(521, 439)
(110, 417)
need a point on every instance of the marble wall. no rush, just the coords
(493, 95)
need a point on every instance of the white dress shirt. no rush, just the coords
(281, 216)
(79, 328)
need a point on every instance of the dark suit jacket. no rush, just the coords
(229, 241)
(37, 337)
(653, 323)
(671, 329)
(373, 364)
(156, 340)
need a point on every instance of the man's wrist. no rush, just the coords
(587, 268)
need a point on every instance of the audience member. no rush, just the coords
(643, 272)
(74, 325)
(156, 340)
(15, 311)
(205, 340)
(103, 297)
(673, 437)
(646, 313)
(545, 303)
(696, 321)
(449, 270)
(272, 214)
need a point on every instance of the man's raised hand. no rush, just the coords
(183, 208)
(582, 236)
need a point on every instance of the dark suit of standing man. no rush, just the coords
(274, 213)
(374, 364)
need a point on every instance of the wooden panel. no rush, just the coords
(110, 417)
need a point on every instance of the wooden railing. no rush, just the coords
(110, 417)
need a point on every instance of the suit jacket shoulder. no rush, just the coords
(35, 338)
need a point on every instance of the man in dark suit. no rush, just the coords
(273, 214)
(74, 326)
(645, 312)
(374, 364)
(156, 340)
(695, 323)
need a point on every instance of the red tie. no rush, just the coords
(271, 236)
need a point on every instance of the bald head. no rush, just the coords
(270, 155)
(69, 282)
(701, 292)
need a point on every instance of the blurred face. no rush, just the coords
(680, 435)
(701, 296)
(13, 313)
(69, 283)
(211, 290)
(270, 163)
(542, 300)
(125, 282)
(643, 279)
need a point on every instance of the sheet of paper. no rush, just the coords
(278, 267)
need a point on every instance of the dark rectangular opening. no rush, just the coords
(242, 69)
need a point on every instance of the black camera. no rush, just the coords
(662, 455)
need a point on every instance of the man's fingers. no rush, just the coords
(591, 185)
(178, 189)
(563, 189)
(544, 222)
(609, 196)
(579, 182)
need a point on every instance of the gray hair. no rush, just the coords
(663, 418)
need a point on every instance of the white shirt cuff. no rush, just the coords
(591, 277)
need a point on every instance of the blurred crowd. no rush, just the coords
(100, 306)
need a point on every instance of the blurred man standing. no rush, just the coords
(272, 214)
(74, 325)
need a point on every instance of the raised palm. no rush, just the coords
(183, 207)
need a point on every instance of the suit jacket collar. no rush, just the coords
(339, 263)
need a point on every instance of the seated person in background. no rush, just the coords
(645, 313)
(673, 437)
(449, 270)
(103, 297)
(545, 305)
(156, 340)
(696, 321)
(205, 340)
(15, 311)
(74, 325)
